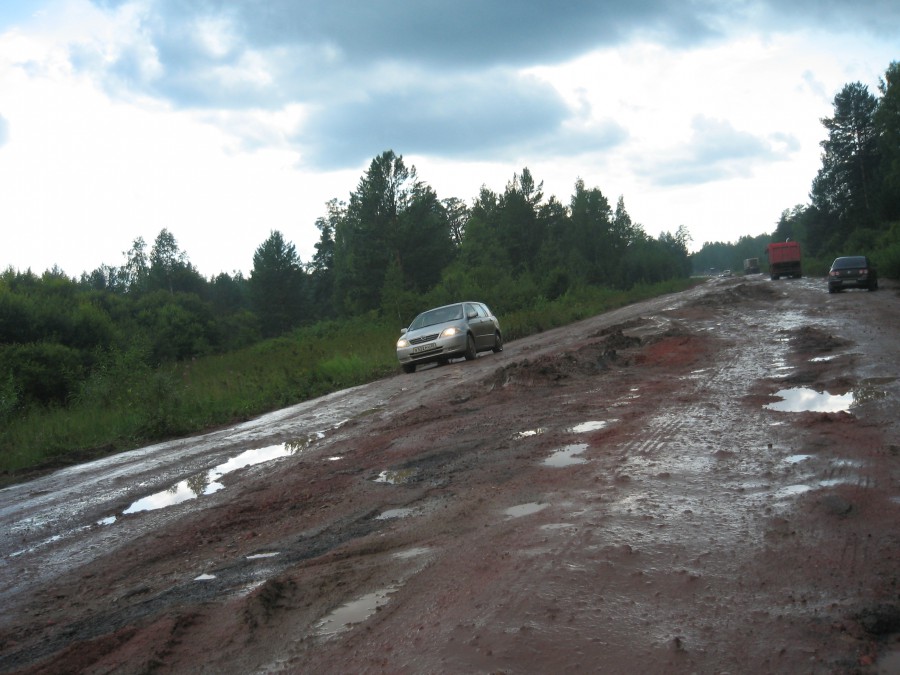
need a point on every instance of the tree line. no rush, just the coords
(393, 248)
(854, 205)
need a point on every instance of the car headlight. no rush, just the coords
(450, 332)
(402, 343)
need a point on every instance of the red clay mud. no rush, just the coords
(416, 526)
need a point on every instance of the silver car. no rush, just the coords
(451, 331)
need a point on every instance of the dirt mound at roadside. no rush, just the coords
(744, 291)
(592, 359)
(810, 339)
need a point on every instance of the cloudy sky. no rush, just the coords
(222, 120)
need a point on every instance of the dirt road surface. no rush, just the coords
(708, 482)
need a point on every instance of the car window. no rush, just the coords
(470, 310)
(481, 311)
(847, 263)
(486, 309)
(436, 316)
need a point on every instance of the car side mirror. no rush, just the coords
(471, 315)
(402, 331)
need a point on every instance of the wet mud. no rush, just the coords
(707, 482)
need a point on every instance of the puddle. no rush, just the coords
(261, 556)
(594, 425)
(558, 526)
(396, 513)
(525, 509)
(205, 577)
(792, 491)
(796, 459)
(530, 432)
(801, 399)
(396, 476)
(412, 552)
(109, 520)
(207, 483)
(357, 611)
(823, 359)
(566, 456)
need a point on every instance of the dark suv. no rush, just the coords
(855, 271)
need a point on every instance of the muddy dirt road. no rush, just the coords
(705, 483)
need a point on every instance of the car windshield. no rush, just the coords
(847, 263)
(436, 316)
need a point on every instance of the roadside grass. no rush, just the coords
(125, 405)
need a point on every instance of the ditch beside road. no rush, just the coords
(704, 482)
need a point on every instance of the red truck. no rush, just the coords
(784, 259)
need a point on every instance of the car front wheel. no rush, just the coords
(409, 367)
(470, 348)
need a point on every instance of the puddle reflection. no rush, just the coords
(357, 611)
(396, 476)
(801, 399)
(396, 513)
(207, 483)
(566, 456)
(412, 552)
(525, 509)
(594, 425)
(262, 556)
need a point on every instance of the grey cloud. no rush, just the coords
(498, 115)
(717, 151)
(369, 72)
(877, 17)
(458, 34)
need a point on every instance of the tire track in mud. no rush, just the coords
(634, 531)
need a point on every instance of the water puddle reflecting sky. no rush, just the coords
(525, 509)
(208, 483)
(801, 399)
(567, 456)
(396, 476)
(352, 613)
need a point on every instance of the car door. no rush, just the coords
(481, 326)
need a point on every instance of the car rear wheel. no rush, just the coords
(470, 348)
(498, 343)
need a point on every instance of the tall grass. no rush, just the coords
(125, 403)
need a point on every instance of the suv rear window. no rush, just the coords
(847, 263)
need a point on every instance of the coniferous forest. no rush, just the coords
(150, 348)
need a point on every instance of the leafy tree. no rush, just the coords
(392, 219)
(277, 284)
(178, 325)
(887, 123)
(589, 240)
(136, 271)
(170, 269)
(366, 237)
(843, 186)
(457, 216)
(321, 268)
